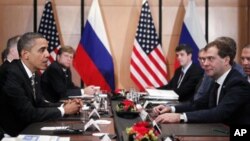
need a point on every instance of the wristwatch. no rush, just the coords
(182, 118)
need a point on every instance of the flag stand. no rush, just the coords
(35, 16)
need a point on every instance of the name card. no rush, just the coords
(91, 124)
(145, 104)
(94, 113)
(144, 115)
(105, 138)
(156, 127)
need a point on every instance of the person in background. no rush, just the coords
(21, 100)
(187, 76)
(10, 53)
(227, 100)
(11, 49)
(56, 81)
(245, 61)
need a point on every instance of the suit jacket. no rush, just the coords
(233, 106)
(57, 84)
(18, 108)
(188, 84)
(3, 71)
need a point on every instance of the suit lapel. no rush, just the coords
(27, 81)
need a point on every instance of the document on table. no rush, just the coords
(161, 94)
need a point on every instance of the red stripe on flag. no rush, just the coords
(136, 82)
(143, 76)
(87, 69)
(138, 55)
(159, 54)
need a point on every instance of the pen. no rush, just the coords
(221, 131)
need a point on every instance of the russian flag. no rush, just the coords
(191, 32)
(93, 59)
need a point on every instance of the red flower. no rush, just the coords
(143, 131)
(128, 104)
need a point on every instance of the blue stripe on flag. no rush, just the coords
(186, 38)
(99, 54)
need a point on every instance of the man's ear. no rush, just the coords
(25, 54)
(227, 60)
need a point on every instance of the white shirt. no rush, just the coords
(184, 70)
(220, 81)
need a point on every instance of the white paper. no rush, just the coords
(37, 137)
(103, 122)
(162, 94)
(98, 134)
(51, 128)
(82, 96)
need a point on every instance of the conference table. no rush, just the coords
(116, 129)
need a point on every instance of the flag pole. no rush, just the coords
(82, 28)
(160, 21)
(82, 16)
(206, 20)
(35, 15)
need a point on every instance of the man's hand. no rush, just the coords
(72, 107)
(168, 118)
(90, 90)
(160, 109)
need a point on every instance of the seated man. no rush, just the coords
(21, 101)
(186, 76)
(227, 100)
(245, 61)
(205, 82)
(56, 81)
(10, 53)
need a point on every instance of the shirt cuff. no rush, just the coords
(172, 109)
(82, 92)
(185, 117)
(61, 110)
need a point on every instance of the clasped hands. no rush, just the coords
(164, 115)
(72, 106)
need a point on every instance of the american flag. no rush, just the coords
(48, 29)
(148, 65)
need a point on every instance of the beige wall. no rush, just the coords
(226, 18)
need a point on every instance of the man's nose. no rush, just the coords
(46, 54)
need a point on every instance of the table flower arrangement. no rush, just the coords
(142, 131)
(126, 106)
(118, 92)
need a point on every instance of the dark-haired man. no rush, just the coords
(186, 76)
(21, 101)
(227, 100)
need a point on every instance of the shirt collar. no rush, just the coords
(222, 78)
(186, 68)
(28, 71)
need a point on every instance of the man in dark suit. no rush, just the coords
(245, 61)
(10, 53)
(227, 100)
(186, 76)
(21, 101)
(56, 81)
